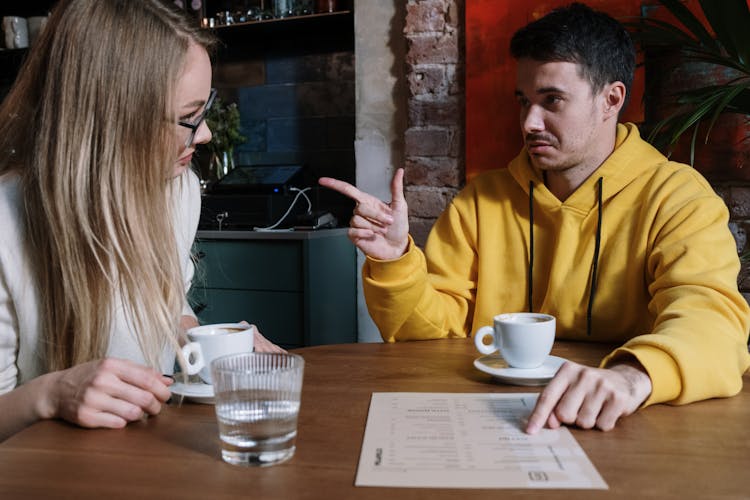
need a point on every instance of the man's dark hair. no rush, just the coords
(598, 43)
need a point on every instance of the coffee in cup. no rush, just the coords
(523, 339)
(209, 342)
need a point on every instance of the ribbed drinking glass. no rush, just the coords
(257, 403)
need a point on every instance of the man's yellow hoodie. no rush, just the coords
(664, 273)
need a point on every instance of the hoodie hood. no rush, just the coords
(623, 166)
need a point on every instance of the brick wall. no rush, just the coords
(434, 139)
(736, 194)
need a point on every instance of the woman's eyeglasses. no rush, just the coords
(197, 123)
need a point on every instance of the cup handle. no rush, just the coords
(479, 340)
(194, 360)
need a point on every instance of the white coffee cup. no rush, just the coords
(16, 32)
(523, 339)
(209, 342)
(36, 24)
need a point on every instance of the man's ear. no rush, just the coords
(614, 99)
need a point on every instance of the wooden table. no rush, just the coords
(697, 451)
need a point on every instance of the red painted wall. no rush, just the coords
(493, 134)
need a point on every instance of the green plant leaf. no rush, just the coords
(692, 23)
(692, 146)
(730, 20)
(717, 59)
(719, 107)
(680, 121)
(727, 49)
(737, 90)
(657, 33)
(224, 121)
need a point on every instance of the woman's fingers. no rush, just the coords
(92, 419)
(109, 393)
(147, 380)
(262, 344)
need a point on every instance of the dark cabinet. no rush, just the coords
(299, 288)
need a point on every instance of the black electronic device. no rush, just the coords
(315, 220)
(263, 196)
(244, 212)
(259, 179)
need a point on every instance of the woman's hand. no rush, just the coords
(105, 393)
(260, 343)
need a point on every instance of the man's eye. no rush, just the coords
(554, 99)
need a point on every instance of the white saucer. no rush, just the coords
(496, 366)
(197, 393)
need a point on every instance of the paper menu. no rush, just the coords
(467, 440)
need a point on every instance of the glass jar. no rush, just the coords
(283, 8)
(303, 7)
(322, 6)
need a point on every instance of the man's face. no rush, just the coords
(561, 118)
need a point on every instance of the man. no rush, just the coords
(588, 223)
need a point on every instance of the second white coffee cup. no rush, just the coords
(36, 24)
(209, 342)
(523, 339)
(16, 31)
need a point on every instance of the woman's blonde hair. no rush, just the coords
(89, 126)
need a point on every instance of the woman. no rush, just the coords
(98, 210)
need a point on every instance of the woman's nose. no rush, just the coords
(203, 134)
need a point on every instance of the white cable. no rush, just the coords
(300, 192)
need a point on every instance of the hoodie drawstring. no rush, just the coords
(594, 264)
(531, 245)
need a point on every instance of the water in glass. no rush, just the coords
(257, 431)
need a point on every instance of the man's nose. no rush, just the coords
(533, 120)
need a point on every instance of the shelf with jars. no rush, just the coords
(271, 25)
(288, 19)
(232, 14)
